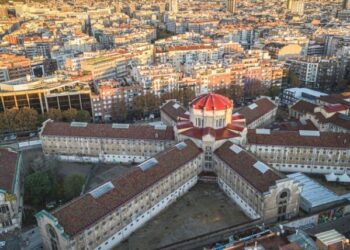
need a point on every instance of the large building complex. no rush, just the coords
(204, 141)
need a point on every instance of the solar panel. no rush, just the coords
(262, 167)
(148, 164)
(120, 125)
(309, 133)
(253, 106)
(263, 131)
(78, 124)
(101, 190)
(236, 148)
(181, 145)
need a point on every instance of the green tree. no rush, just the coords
(54, 114)
(37, 186)
(274, 91)
(70, 114)
(83, 116)
(73, 185)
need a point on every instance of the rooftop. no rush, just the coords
(141, 132)
(211, 101)
(8, 160)
(93, 206)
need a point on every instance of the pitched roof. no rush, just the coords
(8, 161)
(256, 110)
(304, 107)
(84, 211)
(295, 139)
(141, 132)
(174, 110)
(243, 164)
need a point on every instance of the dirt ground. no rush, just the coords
(203, 209)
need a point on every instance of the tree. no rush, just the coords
(54, 114)
(26, 119)
(73, 185)
(119, 111)
(83, 116)
(274, 91)
(70, 114)
(37, 186)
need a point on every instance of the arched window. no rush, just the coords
(52, 236)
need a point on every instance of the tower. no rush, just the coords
(173, 6)
(231, 6)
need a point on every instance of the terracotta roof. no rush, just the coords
(294, 139)
(8, 161)
(262, 107)
(211, 102)
(337, 107)
(141, 132)
(304, 107)
(218, 134)
(334, 99)
(174, 110)
(84, 211)
(243, 163)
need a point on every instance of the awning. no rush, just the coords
(344, 178)
(331, 177)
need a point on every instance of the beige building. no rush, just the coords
(105, 216)
(302, 151)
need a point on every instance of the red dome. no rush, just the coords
(211, 102)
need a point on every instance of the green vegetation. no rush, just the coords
(73, 185)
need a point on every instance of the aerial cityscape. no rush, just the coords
(174, 124)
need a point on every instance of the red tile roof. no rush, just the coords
(141, 132)
(331, 108)
(218, 134)
(242, 163)
(304, 107)
(8, 161)
(211, 102)
(84, 211)
(264, 106)
(294, 139)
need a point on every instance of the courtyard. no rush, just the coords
(203, 209)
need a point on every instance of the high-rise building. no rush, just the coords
(173, 6)
(346, 4)
(231, 6)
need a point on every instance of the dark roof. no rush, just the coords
(8, 161)
(294, 139)
(141, 132)
(242, 163)
(264, 105)
(304, 107)
(86, 210)
(334, 99)
(174, 110)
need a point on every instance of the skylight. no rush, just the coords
(181, 145)
(253, 106)
(236, 148)
(78, 124)
(148, 164)
(262, 167)
(309, 133)
(101, 190)
(120, 125)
